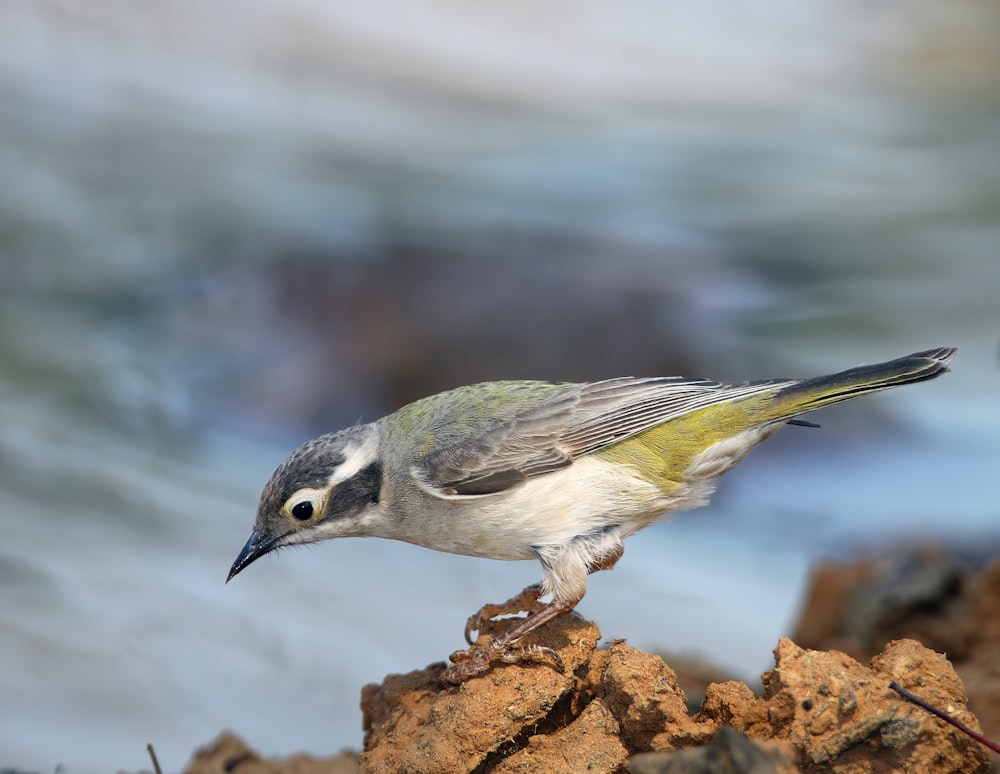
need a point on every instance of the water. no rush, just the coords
(222, 233)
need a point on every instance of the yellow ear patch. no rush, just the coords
(305, 504)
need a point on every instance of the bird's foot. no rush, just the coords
(466, 664)
(505, 647)
(525, 602)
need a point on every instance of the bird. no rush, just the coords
(553, 471)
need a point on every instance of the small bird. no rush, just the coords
(557, 472)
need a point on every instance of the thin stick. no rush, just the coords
(944, 716)
(152, 756)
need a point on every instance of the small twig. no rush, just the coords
(944, 716)
(152, 757)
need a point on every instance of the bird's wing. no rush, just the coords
(573, 421)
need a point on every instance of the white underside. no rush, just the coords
(570, 519)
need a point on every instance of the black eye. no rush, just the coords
(302, 510)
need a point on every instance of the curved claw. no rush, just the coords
(506, 647)
(531, 652)
(466, 664)
(525, 602)
(472, 625)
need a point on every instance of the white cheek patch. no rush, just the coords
(357, 457)
(300, 537)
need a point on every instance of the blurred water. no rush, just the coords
(223, 231)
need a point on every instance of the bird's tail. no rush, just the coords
(810, 394)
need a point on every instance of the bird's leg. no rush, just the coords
(525, 602)
(528, 601)
(475, 661)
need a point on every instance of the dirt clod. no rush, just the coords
(826, 711)
(618, 709)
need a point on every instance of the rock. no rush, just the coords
(822, 620)
(228, 754)
(829, 713)
(730, 752)
(695, 674)
(412, 723)
(821, 711)
(590, 743)
(643, 693)
(980, 670)
(913, 595)
(935, 599)
(839, 715)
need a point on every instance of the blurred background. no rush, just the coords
(226, 228)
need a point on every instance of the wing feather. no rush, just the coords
(573, 421)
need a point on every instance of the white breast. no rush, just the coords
(588, 496)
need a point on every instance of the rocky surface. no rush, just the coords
(729, 752)
(229, 753)
(614, 706)
(925, 595)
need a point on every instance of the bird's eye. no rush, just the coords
(305, 504)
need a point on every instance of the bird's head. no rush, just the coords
(329, 487)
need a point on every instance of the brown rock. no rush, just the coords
(695, 674)
(821, 711)
(590, 743)
(730, 752)
(861, 606)
(842, 716)
(228, 754)
(980, 670)
(925, 595)
(412, 724)
(831, 712)
(642, 692)
(725, 702)
(822, 620)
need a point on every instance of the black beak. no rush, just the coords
(259, 544)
